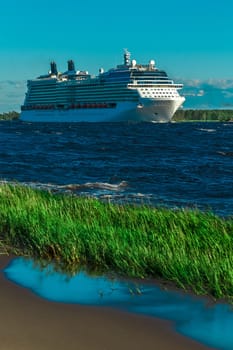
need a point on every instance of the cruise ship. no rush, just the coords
(128, 92)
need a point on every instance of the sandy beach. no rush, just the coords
(31, 323)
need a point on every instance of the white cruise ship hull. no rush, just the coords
(129, 92)
(153, 110)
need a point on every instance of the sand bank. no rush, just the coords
(31, 323)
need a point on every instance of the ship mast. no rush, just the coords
(126, 57)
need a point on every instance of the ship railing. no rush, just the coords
(155, 85)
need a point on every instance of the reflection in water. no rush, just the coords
(192, 317)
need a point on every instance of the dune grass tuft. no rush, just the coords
(188, 247)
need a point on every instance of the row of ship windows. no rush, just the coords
(75, 84)
(29, 101)
(81, 94)
(73, 89)
(154, 90)
(54, 91)
(159, 93)
(92, 96)
(71, 85)
(80, 99)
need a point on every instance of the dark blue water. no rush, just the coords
(176, 164)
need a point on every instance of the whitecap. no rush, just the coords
(207, 130)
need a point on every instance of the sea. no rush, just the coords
(174, 165)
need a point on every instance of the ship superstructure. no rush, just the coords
(129, 92)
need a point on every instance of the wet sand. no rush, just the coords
(28, 322)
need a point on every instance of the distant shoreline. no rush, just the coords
(182, 115)
(207, 115)
(12, 115)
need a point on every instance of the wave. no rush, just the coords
(71, 187)
(229, 154)
(115, 193)
(207, 130)
(97, 185)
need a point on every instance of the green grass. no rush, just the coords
(188, 247)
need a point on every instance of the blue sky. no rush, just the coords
(190, 40)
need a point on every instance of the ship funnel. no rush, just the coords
(53, 68)
(71, 66)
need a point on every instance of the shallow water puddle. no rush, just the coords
(192, 317)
